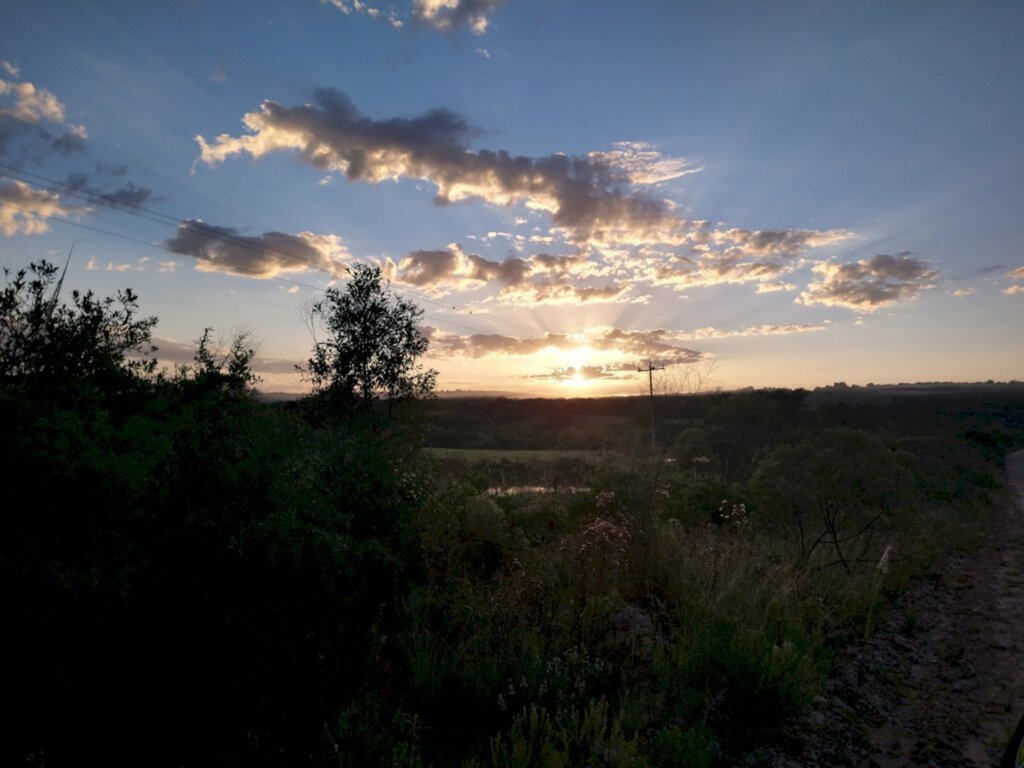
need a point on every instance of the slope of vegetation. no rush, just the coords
(197, 578)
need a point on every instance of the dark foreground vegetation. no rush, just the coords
(192, 577)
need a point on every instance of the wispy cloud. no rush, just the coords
(642, 163)
(768, 329)
(350, 7)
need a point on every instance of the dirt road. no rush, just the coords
(941, 683)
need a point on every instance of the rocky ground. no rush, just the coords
(941, 682)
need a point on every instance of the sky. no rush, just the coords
(742, 194)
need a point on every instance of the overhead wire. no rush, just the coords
(213, 233)
(255, 273)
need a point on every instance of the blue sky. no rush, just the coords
(800, 193)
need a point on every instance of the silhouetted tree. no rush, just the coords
(46, 347)
(373, 344)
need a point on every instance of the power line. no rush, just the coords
(253, 272)
(213, 233)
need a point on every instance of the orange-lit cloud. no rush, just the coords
(618, 349)
(24, 208)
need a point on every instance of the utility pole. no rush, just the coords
(651, 368)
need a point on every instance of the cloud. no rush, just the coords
(581, 373)
(619, 349)
(129, 196)
(710, 332)
(597, 203)
(742, 256)
(223, 249)
(965, 292)
(10, 69)
(449, 15)
(775, 287)
(643, 164)
(1014, 290)
(1017, 274)
(31, 104)
(422, 268)
(219, 73)
(540, 279)
(24, 109)
(869, 284)
(126, 196)
(587, 198)
(349, 7)
(23, 208)
(550, 292)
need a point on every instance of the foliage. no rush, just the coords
(837, 488)
(373, 345)
(201, 578)
(91, 342)
(230, 370)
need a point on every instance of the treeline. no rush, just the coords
(192, 577)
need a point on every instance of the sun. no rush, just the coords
(578, 357)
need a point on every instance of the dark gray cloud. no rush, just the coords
(558, 265)
(870, 284)
(511, 271)
(125, 196)
(130, 196)
(223, 249)
(422, 268)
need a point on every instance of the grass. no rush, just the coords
(486, 454)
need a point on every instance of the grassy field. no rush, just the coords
(484, 454)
